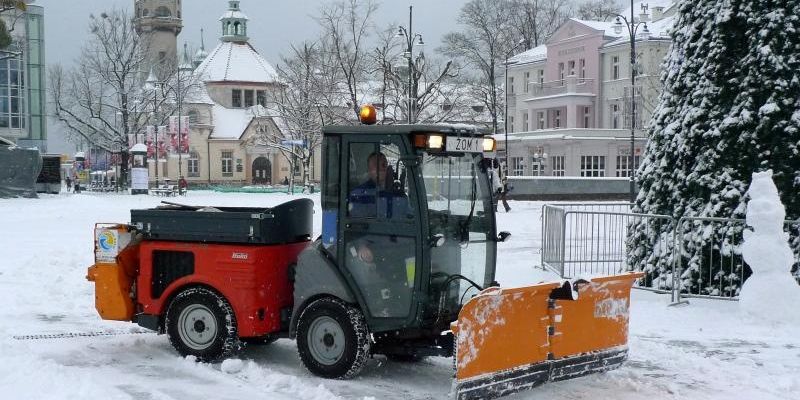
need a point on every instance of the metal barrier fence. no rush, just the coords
(579, 242)
(554, 229)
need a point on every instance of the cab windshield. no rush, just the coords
(459, 201)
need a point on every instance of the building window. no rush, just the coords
(12, 94)
(517, 166)
(540, 120)
(541, 76)
(511, 123)
(593, 166)
(557, 119)
(248, 98)
(582, 64)
(261, 98)
(193, 164)
(236, 98)
(511, 85)
(527, 81)
(587, 117)
(558, 165)
(615, 116)
(624, 166)
(615, 67)
(194, 116)
(571, 64)
(525, 121)
(561, 72)
(163, 12)
(227, 163)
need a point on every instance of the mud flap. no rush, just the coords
(510, 340)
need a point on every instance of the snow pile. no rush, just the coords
(771, 293)
(232, 366)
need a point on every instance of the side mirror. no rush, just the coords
(437, 240)
(503, 236)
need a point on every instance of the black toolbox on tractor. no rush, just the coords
(289, 222)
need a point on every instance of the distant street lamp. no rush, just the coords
(632, 27)
(410, 36)
(153, 84)
(540, 157)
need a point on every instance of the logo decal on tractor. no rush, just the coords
(239, 256)
(107, 241)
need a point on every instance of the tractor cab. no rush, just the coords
(408, 221)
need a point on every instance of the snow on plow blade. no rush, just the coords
(509, 340)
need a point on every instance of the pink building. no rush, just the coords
(569, 99)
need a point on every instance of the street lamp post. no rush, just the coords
(409, 35)
(632, 26)
(152, 84)
(505, 112)
(541, 157)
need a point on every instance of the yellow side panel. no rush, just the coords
(112, 291)
(597, 320)
(501, 329)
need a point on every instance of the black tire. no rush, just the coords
(332, 339)
(201, 323)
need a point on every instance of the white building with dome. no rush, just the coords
(230, 102)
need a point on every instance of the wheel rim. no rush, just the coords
(197, 326)
(326, 340)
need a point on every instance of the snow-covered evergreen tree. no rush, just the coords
(730, 106)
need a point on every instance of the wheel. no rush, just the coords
(201, 323)
(332, 339)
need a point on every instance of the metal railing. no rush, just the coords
(587, 239)
(570, 84)
(580, 243)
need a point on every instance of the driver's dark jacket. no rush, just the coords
(369, 201)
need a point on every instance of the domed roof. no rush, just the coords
(236, 62)
(200, 55)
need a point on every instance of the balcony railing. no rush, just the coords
(570, 84)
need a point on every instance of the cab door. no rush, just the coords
(380, 250)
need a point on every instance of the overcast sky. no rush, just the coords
(273, 25)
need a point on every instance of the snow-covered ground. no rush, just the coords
(706, 350)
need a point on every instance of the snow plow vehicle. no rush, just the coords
(405, 267)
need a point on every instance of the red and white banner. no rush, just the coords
(179, 144)
(163, 144)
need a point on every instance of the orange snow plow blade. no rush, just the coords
(509, 340)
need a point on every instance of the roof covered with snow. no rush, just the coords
(537, 53)
(658, 30)
(236, 62)
(233, 14)
(196, 93)
(606, 26)
(230, 123)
